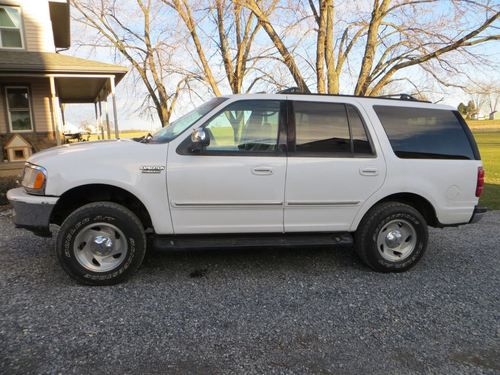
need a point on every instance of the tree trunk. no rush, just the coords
(320, 48)
(333, 84)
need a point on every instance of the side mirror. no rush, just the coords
(199, 139)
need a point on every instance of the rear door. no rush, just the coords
(333, 164)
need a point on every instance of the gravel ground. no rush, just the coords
(256, 311)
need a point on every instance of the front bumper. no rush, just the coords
(477, 214)
(31, 212)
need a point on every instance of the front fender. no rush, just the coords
(119, 166)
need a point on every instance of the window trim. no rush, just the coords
(8, 110)
(332, 155)
(21, 28)
(281, 150)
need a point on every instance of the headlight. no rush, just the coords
(34, 179)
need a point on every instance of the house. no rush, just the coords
(37, 80)
(495, 115)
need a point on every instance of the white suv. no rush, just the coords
(259, 170)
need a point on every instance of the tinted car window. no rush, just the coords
(245, 126)
(329, 128)
(321, 128)
(416, 133)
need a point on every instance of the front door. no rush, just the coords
(236, 183)
(333, 166)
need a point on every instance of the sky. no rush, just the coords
(130, 92)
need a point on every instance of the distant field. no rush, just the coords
(123, 134)
(487, 125)
(489, 147)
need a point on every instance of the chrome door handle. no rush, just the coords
(369, 171)
(262, 171)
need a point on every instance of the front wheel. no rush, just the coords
(392, 237)
(101, 243)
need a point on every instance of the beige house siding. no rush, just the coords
(40, 99)
(3, 113)
(43, 136)
(40, 102)
(37, 27)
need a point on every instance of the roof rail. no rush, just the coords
(292, 90)
(297, 91)
(399, 96)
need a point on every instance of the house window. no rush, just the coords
(10, 27)
(19, 109)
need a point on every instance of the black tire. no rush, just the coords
(101, 212)
(365, 239)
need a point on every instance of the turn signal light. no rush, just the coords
(39, 180)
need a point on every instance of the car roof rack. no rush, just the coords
(292, 90)
(298, 91)
(398, 96)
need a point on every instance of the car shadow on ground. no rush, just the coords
(197, 263)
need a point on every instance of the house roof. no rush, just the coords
(83, 81)
(50, 62)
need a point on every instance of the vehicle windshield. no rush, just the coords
(172, 130)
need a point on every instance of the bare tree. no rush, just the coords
(236, 29)
(336, 46)
(390, 36)
(492, 93)
(417, 46)
(288, 59)
(485, 95)
(141, 42)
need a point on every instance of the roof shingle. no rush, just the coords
(49, 62)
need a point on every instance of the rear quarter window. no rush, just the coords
(423, 133)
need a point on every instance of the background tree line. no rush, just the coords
(189, 47)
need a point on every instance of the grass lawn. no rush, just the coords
(489, 125)
(489, 146)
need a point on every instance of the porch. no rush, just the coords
(37, 87)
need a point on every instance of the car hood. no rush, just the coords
(81, 149)
(111, 162)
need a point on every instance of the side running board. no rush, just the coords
(210, 241)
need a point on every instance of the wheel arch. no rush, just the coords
(417, 201)
(78, 196)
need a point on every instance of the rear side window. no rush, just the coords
(421, 133)
(329, 129)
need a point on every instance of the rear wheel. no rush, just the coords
(392, 237)
(101, 243)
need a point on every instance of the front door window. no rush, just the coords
(249, 126)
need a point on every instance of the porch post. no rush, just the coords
(63, 117)
(55, 109)
(115, 114)
(96, 119)
(100, 118)
(106, 111)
